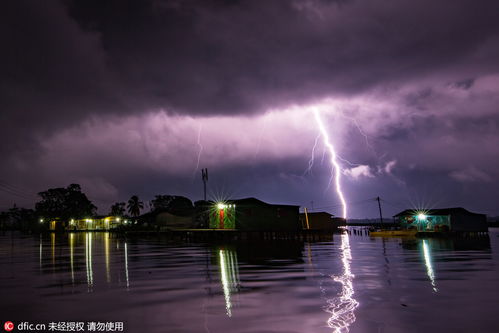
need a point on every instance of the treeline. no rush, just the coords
(65, 203)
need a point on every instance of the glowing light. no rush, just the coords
(221, 205)
(41, 220)
(429, 267)
(342, 308)
(118, 219)
(334, 162)
(421, 217)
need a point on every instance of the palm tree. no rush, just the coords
(118, 209)
(134, 206)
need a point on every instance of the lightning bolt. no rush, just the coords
(332, 173)
(200, 151)
(354, 121)
(334, 163)
(311, 161)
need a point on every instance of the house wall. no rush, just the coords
(319, 221)
(469, 222)
(432, 223)
(267, 217)
(169, 221)
(454, 222)
(223, 218)
(107, 223)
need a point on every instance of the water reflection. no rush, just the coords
(52, 247)
(89, 260)
(429, 267)
(126, 267)
(253, 286)
(71, 254)
(41, 252)
(106, 254)
(229, 275)
(81, 258)
(448, 247)
(481, 243)
(342, 307)
(268, 257)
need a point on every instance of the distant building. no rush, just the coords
(166, 220)
(254, 214)
(321, 221)
(170, 212)
(446, 219)
(91, 223)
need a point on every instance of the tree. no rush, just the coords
(174, 204)
(19, 219)
(65, 203)
(118, 209)
(134, 206)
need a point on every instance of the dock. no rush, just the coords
(238, 235)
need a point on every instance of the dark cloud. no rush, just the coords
(70, 63)
(227, 57)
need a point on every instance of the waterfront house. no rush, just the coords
(90, 223)
(253, 214)
(321, 221)
(167, 220)
(445, 219)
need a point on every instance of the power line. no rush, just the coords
(11, 192)
(16, 189)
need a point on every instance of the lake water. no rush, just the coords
(351, 283)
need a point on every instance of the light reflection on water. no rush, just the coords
(229, 276)
(342, 307)
(89, 259)
(351, 283)
(429, 265)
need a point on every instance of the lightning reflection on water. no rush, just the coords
(343, 306)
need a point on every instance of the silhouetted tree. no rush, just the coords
(4, 220)
(134, 206)
(118, 209)
(64, 203)
(19, 219)
(202, 211)
(173, 204)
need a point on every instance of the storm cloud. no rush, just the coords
(123, 96)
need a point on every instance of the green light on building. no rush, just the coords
(223, 216)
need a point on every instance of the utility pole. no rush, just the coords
(379, 206)
(204, 174)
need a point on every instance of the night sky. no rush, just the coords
(135, 97)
